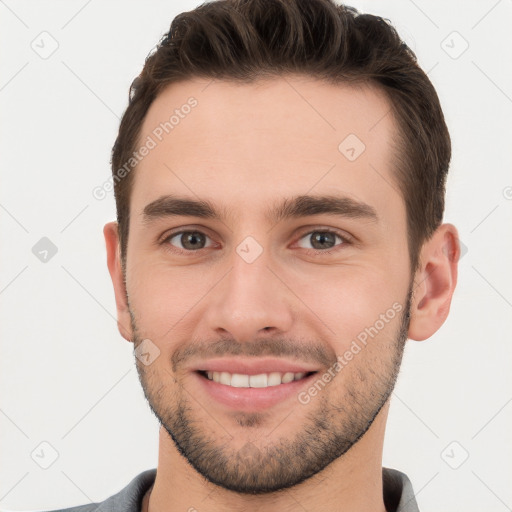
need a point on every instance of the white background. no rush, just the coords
(68, 378)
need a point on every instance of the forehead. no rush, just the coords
(246, 145)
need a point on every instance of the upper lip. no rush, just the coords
(253, 366)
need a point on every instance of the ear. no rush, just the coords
(110, 231)
(434, 282)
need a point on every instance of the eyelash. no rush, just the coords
(346, 240)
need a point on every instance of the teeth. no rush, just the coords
(274, 379)
(239, 381)
(262, 380)
(225, 378)
(258, 381)
(287, 377)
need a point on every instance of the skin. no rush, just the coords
(245, 148)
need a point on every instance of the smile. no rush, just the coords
(261, 380)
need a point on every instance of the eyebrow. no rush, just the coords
(295, 207)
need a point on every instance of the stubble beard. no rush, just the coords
(329, 430)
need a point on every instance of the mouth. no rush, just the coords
(252, 392)
(260, 380)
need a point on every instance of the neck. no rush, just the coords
(351, 483)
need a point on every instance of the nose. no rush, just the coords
(250, 301)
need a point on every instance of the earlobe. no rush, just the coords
(110, 231)
(434, 282)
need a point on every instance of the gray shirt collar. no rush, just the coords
(398, 494)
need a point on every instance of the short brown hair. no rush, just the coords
(247, 40)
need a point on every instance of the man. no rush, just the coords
(279, 177)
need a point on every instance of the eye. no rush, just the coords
(321, 240)
(317, 241)
(188, 240)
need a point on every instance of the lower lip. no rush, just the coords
(252, 399)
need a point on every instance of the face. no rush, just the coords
(267, 249)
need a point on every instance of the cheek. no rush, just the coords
(161, 296)
(355, 300)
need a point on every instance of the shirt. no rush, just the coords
(398, 494)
